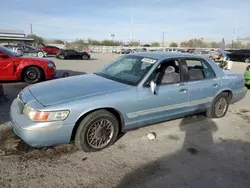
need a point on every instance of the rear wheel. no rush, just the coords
(219, 106)
(247, 60)
(85, 57)
(32, 75)
(97, 131)
(61, 57)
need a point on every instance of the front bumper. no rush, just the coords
(48, 133)
(247, 77)
(50, 73)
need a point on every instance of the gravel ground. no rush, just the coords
(190, 152)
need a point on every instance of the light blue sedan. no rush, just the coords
(134, 91)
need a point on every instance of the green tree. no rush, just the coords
(173, 44)
(134, 43)
(37, 39)
(247, 46)
(59, 41)
(237, 45)
(155, 44)
(184, 44)
(214, 45)
(194, 43)
(94, 42)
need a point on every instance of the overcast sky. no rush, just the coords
(97, 19)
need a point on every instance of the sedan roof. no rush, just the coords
(164, 55)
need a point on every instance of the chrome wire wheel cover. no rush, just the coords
(100, 133)
(220, 107)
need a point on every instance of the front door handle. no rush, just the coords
(183, 90)
(215, 85)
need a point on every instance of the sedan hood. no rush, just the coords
(70, 88)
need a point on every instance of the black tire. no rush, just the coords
(85, 57)
(248, 86)
(62, 57)
(32, 75)
(81, 140)
(211, 112)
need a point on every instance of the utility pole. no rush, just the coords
(31, 31)
(235, 34)
(131, 23)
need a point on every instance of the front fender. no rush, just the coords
(109, 108)
(24, 65)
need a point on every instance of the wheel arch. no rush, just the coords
(28, 66)
(226, 90)
(112, 110)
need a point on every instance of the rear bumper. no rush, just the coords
(239, 95)
(48, 133)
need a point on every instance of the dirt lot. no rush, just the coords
(189, 152)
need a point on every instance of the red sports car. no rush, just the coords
(28, 69)
(51, 50)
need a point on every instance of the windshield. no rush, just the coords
(8, 51)
(128, 69)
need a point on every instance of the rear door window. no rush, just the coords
(199, 70)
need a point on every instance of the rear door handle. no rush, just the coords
(215, 85)
(183, 90)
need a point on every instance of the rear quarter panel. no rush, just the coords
(229, 81)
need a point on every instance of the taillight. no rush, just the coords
(248, 68)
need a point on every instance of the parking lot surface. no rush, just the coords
(189, 152)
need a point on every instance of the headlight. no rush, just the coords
(51, 64)
(44, 116)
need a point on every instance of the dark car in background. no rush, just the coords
(72, 54)
(240, 55)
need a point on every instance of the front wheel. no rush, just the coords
(219, 106)
(32, 75)
(97, 131)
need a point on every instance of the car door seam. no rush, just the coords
(169, 107)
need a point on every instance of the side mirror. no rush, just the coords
(153, 87)
(3, 56)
